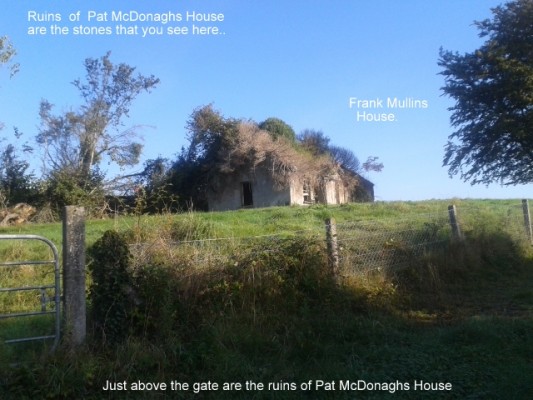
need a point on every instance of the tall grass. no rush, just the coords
(267, 309)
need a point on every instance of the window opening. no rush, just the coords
(308, 193)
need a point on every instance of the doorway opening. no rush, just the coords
(246, 194)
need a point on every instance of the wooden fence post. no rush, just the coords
(527, 220)
(456, 229)
(333, 250)
(74, 274)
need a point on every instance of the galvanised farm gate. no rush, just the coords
(32, 299)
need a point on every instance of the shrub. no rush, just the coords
(111, 292)
(64, 188)
(158, 308)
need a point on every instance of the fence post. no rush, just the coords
(333, 250)
(74, 274)
(527, 220)
(456, 229)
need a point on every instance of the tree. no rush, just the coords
(345, 158)
(16, 183)
(278, 128)
(76, 141)
(493, 92)
(316, 142)
(372, 164)
(211, 138)
(153, 176)
(209, 133)
(7, 53)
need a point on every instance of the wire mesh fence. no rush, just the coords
(508, 221)
(189, 255)
(389, 243)
(384, 244)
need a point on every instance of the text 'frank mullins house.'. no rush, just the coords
(278, 175)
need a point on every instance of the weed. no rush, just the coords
(266, 309)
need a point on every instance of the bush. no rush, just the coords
(64, 188)
(272, 276)
(111, 293)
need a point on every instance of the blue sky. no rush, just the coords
(299, 60)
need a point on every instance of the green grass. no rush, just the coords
(273, 220)
(462, 313)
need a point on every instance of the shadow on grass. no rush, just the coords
(21, 328)
(278, 318)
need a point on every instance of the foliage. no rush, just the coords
(190, 227)
(372, 164)
(463, 317)
(348, 165)
(153, 174)
(253, 147)
(316, 142)
(7, 53)
(492, 88)
(153, 190)
(12, 170)
(345, 158)
(78, 140)
(278, 128)
(208, 133)
(16, 183)
(186, 180)
(111, 289)
(222, 148)
(210, 137)
(63, 188)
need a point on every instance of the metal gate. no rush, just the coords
(41, 290)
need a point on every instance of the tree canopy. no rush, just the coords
(493, 92)
(278, 128)
(77, 140)
(16, 182)
(7, 53)
(316, 142)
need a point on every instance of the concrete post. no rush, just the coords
(74, 275)
(333, 250)
(527, 220)
(456, 229)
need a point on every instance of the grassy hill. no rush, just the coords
(259, 306)
(252, 222)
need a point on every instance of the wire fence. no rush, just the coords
(356, 247)
(512, 220)
(192, 255)
(391, 243)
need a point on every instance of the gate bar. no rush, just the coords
(57, 281)
(30, 313)
(29, 339)
(20, 289)
(15, 263)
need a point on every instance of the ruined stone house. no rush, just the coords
(257, 188)
(256, 170)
